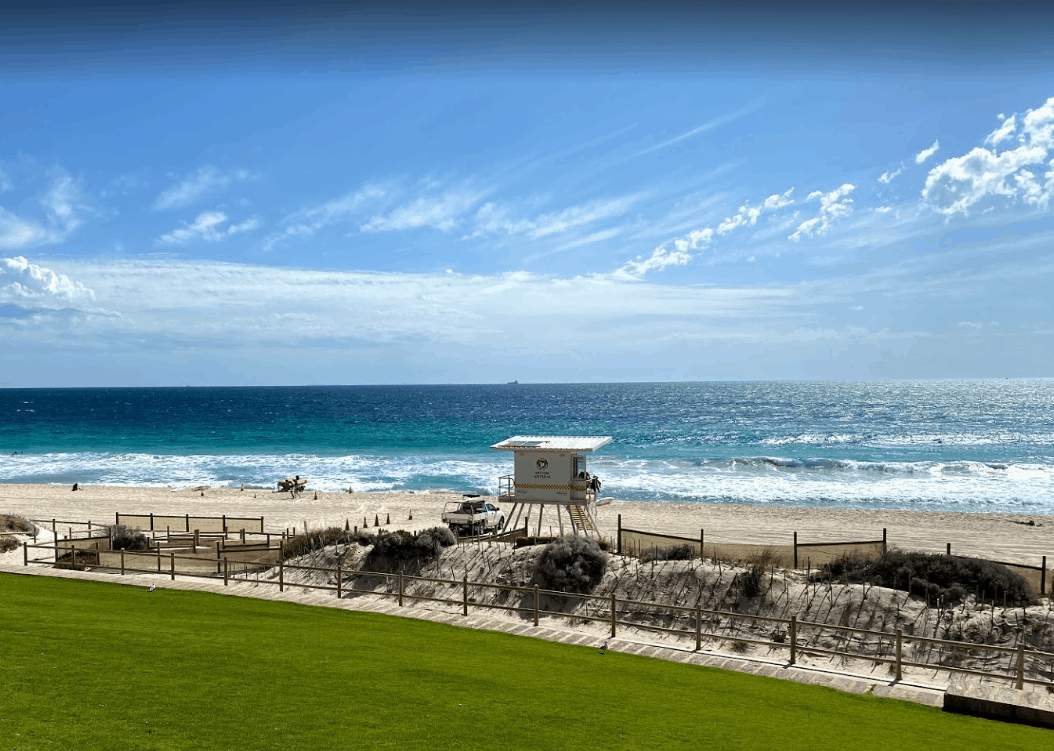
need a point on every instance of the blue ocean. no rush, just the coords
(934, 445)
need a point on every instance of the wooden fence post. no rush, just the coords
(1043, 577)
(698, 627)
(400, 589)
(619, 542)
(614, 616)
(25, 553)
(535, 604)
(172, 564)
(464, 597)
(899, 674)
(225, 571)
(794, 640)
(948, 549)
(1021, 663)
(883, 540)
(55, 536)
(702, 542)
(122, 563)
(795, 550)
(340, 583)
(281, 575)
(159, 559)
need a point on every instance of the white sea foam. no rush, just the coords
(961, 485)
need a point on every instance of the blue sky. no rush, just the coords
(389, 194)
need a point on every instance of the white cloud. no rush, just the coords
(833, 205)
(208, 180)
(22, 282)
(1017, 173)
(6, 183)
(925, 154)
(749, 215)
(659, 260)
(1003, 132)
(209, 225)
(887, 177)
(694, 240)
(234, 306)
(443, 212)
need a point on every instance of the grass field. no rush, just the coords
(100, 666)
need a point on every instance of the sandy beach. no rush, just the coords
(1006, 537)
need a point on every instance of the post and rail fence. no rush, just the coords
(635, 542)
(878, 647)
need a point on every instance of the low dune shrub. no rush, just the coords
(671, 553)
(18, 524)
(395, 550)
(932, 575)
(571, 564)
(298, 545)
(123, 538)
(8, 544)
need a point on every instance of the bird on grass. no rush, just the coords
(152, 586)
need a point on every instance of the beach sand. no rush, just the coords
(1004, 537)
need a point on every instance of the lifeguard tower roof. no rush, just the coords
(576, 443)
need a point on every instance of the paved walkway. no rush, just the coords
(929, 695)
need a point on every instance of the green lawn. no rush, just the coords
(87, 665)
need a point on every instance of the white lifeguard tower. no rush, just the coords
(550, 474)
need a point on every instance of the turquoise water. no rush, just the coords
(956, 445)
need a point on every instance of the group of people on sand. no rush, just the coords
(294, 486)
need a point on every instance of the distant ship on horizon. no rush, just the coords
(513, 383)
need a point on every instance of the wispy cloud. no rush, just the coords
(833, 204)
(492, 219)
(443, 212)
(65, 208)
(887, 177)
(205, 182)
(925, 154)
(595, 237)
(17, 232)
(6, 183)
(1014, 174)
(707, 126)
(307, 222)
(210, 226)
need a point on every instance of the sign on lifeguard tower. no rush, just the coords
(550, 471)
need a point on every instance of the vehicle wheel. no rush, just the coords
(501, 524)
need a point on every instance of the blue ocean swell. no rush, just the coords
(964, 445)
